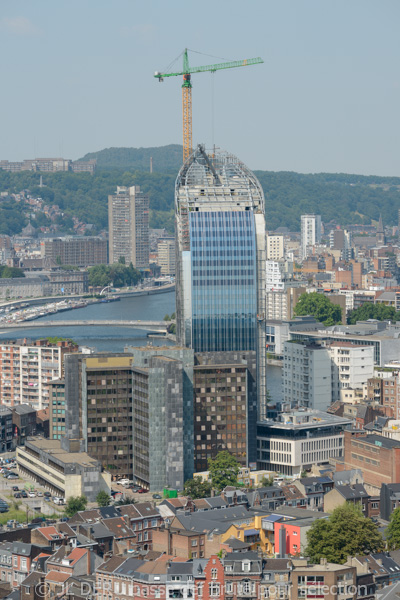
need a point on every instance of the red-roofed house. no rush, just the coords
(75, 562)
(48, 536)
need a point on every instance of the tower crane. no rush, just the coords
(187, 91)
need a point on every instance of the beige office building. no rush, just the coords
(128, 226)
(275, 247)
(166, 255)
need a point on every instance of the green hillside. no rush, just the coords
(165, 158)
(346, 199)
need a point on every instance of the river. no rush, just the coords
(110, 339)
(114, 339)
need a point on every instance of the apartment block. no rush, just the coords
(77, 251)
(307, 379)
(310, 233)
(50, 165)
(275, 247)
(281, 303)
(6, 430)
(352, 366)
(26, 368)
(128, 227)
(166, 255)
(57, 409)
(327, 580)
(225, 406)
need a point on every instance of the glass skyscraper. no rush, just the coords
(220, 271)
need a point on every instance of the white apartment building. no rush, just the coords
(352, 366)
(307, 378)
(274, 280)
(310, 233)
(275, 247)
(297, 440)
(26, 369)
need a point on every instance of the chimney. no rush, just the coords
(323, 562)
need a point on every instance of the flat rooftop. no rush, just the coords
(297, 420)
(53, 447)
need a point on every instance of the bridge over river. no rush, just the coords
(156, 326)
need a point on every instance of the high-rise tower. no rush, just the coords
(220, 261)
(128, 226)
(310, 233)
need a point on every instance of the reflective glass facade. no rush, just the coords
(224, 280)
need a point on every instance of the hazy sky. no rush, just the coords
(77, 76)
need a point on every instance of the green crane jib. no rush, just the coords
(187, 90)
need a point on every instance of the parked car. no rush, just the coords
(47, 494)
(156, 496)
(46, 499)
(32, 494)
(15, 488)
(17, 495)
(58, 500)
(142, 491)
(40, 494)
(124, 482)
(12, 476)
(24, 494)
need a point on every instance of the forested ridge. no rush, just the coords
(346, 199)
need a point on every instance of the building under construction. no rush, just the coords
(220, 262)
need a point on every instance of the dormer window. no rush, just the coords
(246, 566)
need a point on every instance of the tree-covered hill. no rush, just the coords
(165, 158)
(346, 199)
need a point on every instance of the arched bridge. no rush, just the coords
(157, 326)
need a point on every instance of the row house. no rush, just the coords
(236, 576)
(352, 494)
(16, 561)
(144, 520)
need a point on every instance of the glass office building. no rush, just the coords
(220, 271)
(224, 281)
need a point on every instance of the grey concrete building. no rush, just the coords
(162, 415)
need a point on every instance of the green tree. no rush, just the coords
(266, 481)
(75, 504)
(103, 499)
(393, 530)
(345, 533)
(196, 488)
(320, 307)
(224, 469)
(368, 310)
(125, 501)
(120, 275)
